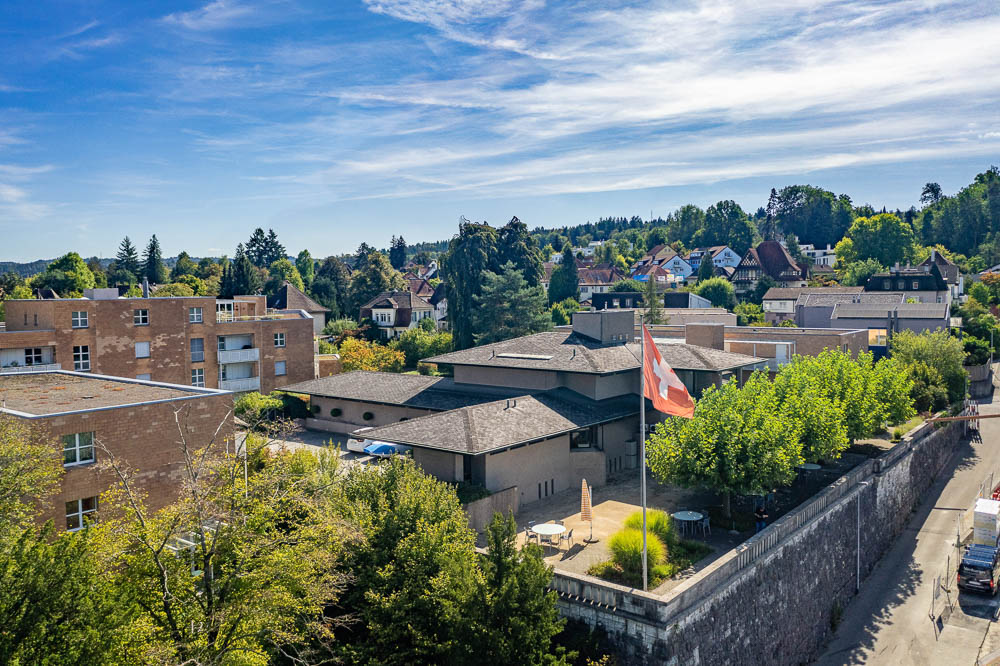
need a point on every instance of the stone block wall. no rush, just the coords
(778, 609)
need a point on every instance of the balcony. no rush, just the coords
(41, 367)
(239, 385)
(240, 355)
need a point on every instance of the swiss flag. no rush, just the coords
(663, 387)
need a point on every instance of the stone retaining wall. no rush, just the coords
(771, 600)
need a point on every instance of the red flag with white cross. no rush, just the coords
(663, 387)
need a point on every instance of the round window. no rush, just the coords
(367, 416)
(335, 412)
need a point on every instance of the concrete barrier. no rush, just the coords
(481, 511)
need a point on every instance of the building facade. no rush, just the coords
(231, 344)
(86, 415)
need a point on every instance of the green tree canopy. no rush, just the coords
(706, 269)
(856, 274)
(719, 290)
(281, 271)
(508, 307)
(377, 275)
(565, 279)
(628, 284)
(515, 245)
(884, 238)
(153, 268)
(814, 215)
(397, 252)
(939, 350)
(306, 267)
(183, 266)
(68, 276)
(127, 258)
(472, 252)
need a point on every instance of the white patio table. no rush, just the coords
(548, 530)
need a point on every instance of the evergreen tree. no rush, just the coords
(706, 269)
(515, 245)
(331, 287)
(256, 248)
(245, 278)
(307, 267)
(127, 258)
(508, 307)
(472, 252)
(361, 256)
(152, 260)
(184, 266)
(565, 280)
(273, 250)
(397, 252)
(651, 296)
(226, 287)
(769, 225)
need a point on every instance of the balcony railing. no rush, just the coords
(229, 318)
(41, 367)
(247, 384)
(239, 355)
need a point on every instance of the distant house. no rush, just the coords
(420, 287)
(925, 283)
(882, 320)
(819, 256)
(664, 278)
(440, 302)
(615, 300)
(779, 302)
(816, 310)
(288, 297)
(772, 259)
(396, 311)
(722, 256)
(598, 280)
(665, 257)
(949, 271)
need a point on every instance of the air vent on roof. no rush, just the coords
(526, 357)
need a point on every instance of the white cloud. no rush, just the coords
(216, 15)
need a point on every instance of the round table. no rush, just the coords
(548, 529)
(687, 517)
(810, 467)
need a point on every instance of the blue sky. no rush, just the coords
(341, 122)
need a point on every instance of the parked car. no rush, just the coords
(980, 569)
(358, 444)
(386, 449)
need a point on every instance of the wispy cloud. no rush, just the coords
(217, 15)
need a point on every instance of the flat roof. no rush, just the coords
(35, 394)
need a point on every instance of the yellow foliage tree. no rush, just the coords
(356, 354)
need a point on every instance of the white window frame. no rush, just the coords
(284, 368)
(80, 319)
(196, 316)
(138, 346)
(79, 512)
(72, 443)
(198, 377)
(279, 339)
(81, 358)
(140, 317)
(201, 353)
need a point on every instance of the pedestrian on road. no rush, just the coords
(761, 514)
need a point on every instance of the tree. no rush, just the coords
(100, 276)
(931, 194)
(719, 291)
(792, 245)
(764, 284)
(814, 215)
(306, 267)
(857, 274)
(274, 251)
(769, 223)
(331, 286)
(735, 443)
(397, 252)
(239, 567)
(508, 307)
(515, 245)
(375, 277)
(937, 349)
(470, 254)
(565, 279)
(628, 284)
(726, 223)
(652, 300)
(282, 271)
(152, 262)
(980, 292)
(559, 315)
(174, 289)
(420, 343)
(356, 354)
(240, 278)
(184, 266)
(749, 314)
(883, 237)
(68, 276)
(706, 269)
(127, 258)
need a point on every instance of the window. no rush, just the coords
(279, 368)
(887, 284)
(78, 449)
(195, 316)
(197, 350)
(144, 376)
(33, 356)
(81, 358)
(279, 339)
(916, 285)
(198, 377)
(901, 284)
(222, 343)
(80, 512)
(80, 320)
(140, 317)
(142, 350)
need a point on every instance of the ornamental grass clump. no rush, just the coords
(626, 552)
(657, 522)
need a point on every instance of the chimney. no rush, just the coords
(145, 287)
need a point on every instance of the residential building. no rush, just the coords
(664, 278)
(396, 311)
(598, 280)
(949, 271)
(233, 344)
(881, 321)
(816, 310)
(290, 297)
(772, 259)
(614, 300)
(440, 302)
(924, 283)
(722, 256)
(779, 302)
(89, 415)
(539, 412)
(819, 256)
(418, 286)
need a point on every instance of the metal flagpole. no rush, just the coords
(642, 444)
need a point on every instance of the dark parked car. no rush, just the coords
(980, 569)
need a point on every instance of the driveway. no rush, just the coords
(315, 441)
(890, 621)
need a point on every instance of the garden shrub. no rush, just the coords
(626, 551)
(254, 407)
(657, 522)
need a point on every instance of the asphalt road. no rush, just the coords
(890, 622)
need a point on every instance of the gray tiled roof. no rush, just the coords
(500, 424)
(814, 299)
(902, 310)
(565, 352)
(290, 297)
(791, 293)
(397, 300)
(436, 393)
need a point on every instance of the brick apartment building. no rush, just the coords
(231, 344)
(133, 419)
